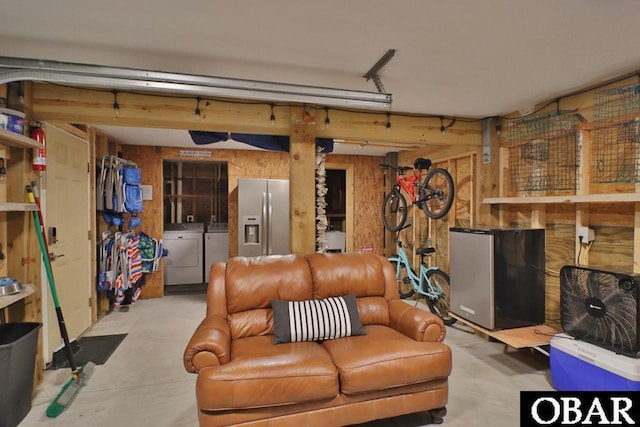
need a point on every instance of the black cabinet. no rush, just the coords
(195, 190)
(498, 276)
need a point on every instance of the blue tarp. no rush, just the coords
(267, 142)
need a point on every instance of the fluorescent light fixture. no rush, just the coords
(18, 69)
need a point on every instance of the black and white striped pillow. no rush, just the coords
(316, 320)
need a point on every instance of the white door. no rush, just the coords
(66, 209)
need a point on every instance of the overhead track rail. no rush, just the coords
(22, 69)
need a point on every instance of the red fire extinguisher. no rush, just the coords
(39, 154)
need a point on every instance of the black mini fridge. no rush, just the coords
(498, 276)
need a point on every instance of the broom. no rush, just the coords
(78, 375)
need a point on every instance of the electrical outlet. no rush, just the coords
(585, 234)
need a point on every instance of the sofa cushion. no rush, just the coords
(345, 273)
(315, 320)
(262, 375)
(252, 282)
(373, 310)
(385, 358)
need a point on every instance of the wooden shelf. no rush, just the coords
(16, 140)
(585, 198)
(18, 207)
(7, 300)
(530, 336)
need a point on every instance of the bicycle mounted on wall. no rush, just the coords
(435, 197)
(429, 282)
(435, 193)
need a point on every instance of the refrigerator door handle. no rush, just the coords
(269, 223)
(264, 222)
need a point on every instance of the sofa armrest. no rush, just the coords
(210, 345)
(415, 323)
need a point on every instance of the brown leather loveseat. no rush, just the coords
(400, 366)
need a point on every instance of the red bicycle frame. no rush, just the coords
(408, 183)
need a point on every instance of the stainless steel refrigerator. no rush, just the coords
(263, 217)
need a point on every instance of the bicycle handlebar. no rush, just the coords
(399, 169)
(418, 164)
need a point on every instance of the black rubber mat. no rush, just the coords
(96, 349)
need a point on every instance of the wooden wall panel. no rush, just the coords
(612, 249)
(151, 166)
(367, 200)
(515, 216)
(464, 181)
(613, 225)
(614, 222)
(560, 251)
(368, 233)
(22, 258)
(241, 164)
(442, 239)
(611, 214)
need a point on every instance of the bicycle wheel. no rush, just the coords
(435, 195)
(394, 210)
(405, 288)
(440, 306)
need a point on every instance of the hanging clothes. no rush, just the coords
(124, 259)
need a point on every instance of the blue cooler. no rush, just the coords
(580, 366)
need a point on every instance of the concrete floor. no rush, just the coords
(144, 383)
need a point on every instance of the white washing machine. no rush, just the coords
(184, 262)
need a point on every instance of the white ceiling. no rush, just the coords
(472, 58)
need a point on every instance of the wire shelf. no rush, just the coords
(543, 152)
(615, 152)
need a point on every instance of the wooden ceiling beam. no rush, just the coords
(96, 107)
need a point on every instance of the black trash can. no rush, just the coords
(18, 346)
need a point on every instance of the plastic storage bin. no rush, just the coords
(580, 366)
(12, 120)
(18, 345)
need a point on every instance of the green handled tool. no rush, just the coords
(78, 375)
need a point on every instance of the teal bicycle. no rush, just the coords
(430, 283)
